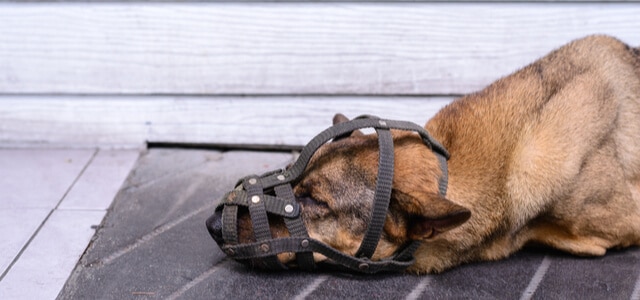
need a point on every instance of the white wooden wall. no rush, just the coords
(114, 74)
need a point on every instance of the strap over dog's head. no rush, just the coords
(272, 193)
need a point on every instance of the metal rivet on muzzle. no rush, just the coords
(363, 266)
(288, 208)
(272, 193)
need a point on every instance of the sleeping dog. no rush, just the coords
(549, 155)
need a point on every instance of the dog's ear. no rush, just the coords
(429, 214)
(340, 118)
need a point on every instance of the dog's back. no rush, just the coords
(550, 154)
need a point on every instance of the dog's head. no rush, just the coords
(336, 194)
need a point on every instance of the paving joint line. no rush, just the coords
(536, 279)
(183, 289)
(419, 288)
(147, 237)
(37, 231)
(156, 180)
(311, 287)
(635, 295)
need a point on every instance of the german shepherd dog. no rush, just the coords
(549, 155)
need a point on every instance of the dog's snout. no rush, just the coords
(214, 226)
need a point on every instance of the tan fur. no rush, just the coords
(548, 155)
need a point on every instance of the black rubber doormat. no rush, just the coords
(153, 245)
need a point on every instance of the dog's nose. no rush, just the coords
(214, 226)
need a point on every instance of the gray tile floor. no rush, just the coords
(50, 204)
(152, 243)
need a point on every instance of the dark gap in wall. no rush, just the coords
(224, 147)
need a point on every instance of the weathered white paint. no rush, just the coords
(286, 48)
(122, 55)
(129, 121)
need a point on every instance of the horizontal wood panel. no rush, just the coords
(130, 121)
(315, 1)
(286, 48)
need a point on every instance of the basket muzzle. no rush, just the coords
(272, 194)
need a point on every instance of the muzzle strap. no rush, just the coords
(259, 218)
(382, 194)
(291, 244)
(296, 228)
(272, 193)
(229, 221)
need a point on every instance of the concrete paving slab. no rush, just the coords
(153, 245)
(101, 180)
(234, 281)
(635, 295)
(612, 276)
(505, 278)
(38, 178)
(356, 286)
(17, 225)
(154, 242)
(62, 238)
(158, 164)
